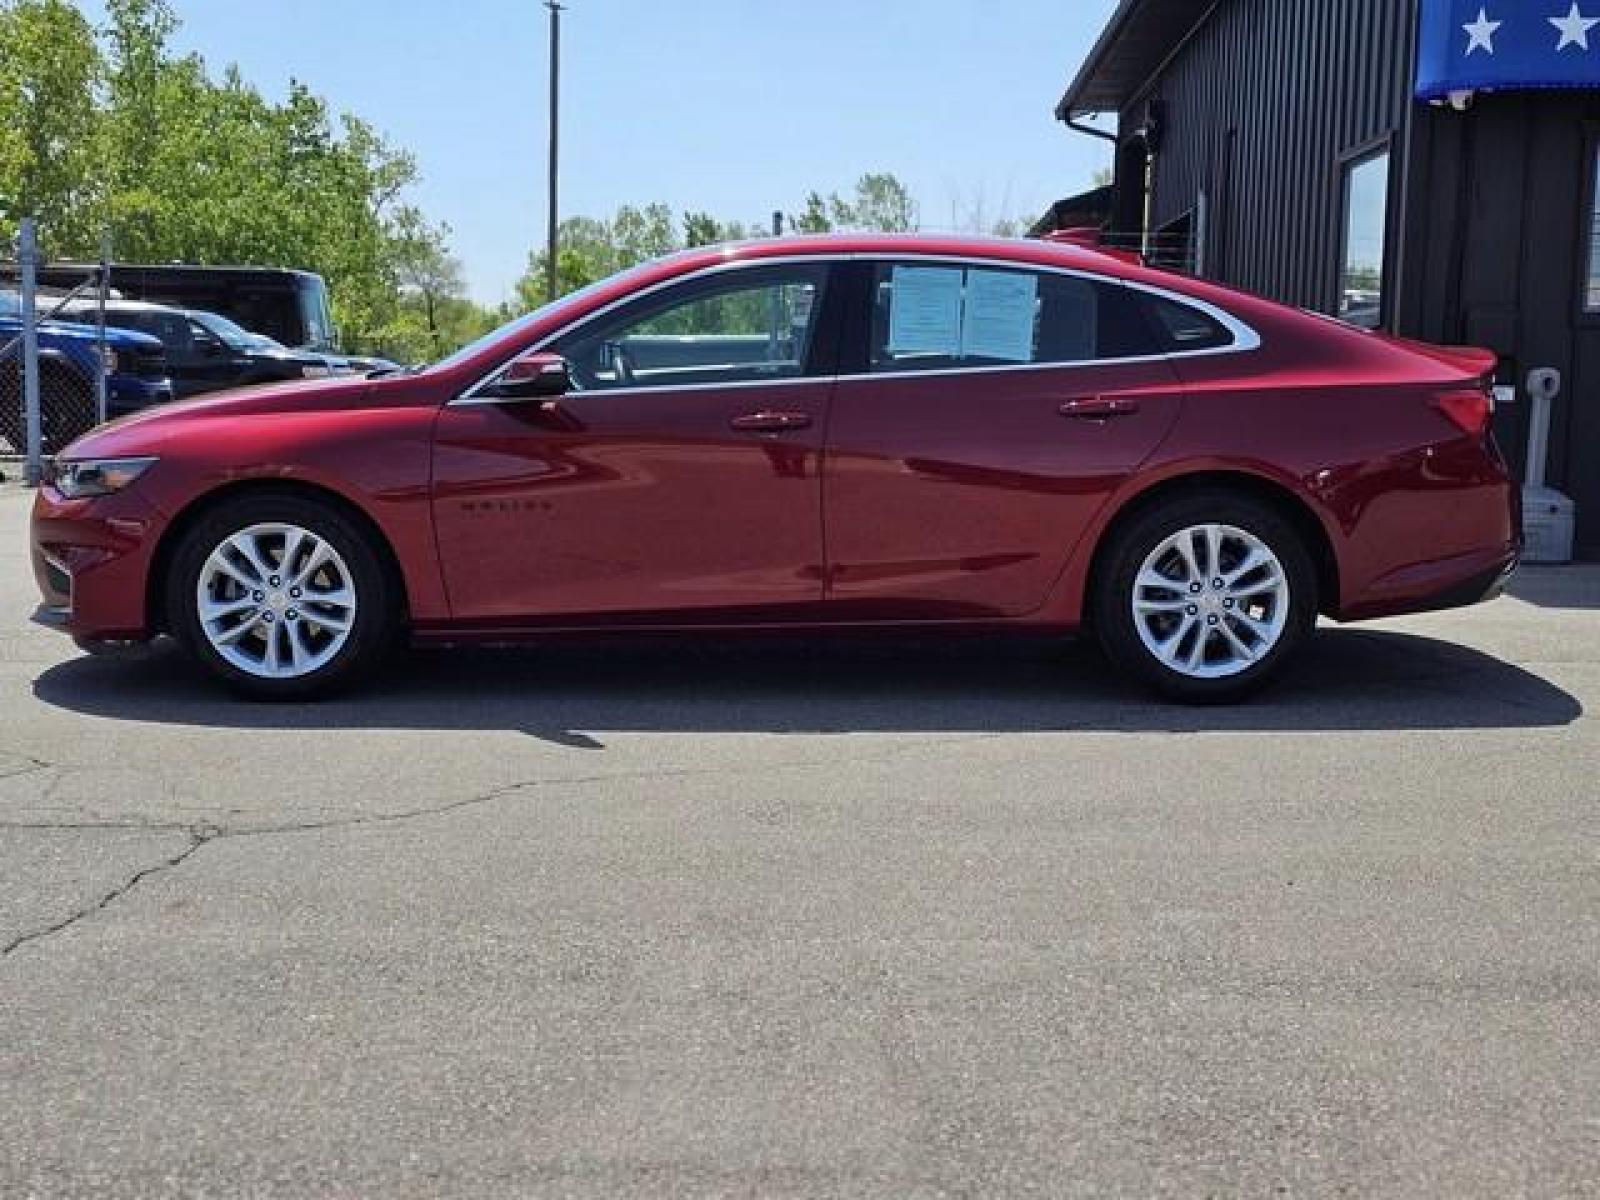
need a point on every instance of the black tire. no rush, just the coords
(372, 631)
(1112, 602)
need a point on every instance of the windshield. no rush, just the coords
(522, 322)
(234, 334)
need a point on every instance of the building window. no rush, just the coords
(1591, 293)
(1366, 221)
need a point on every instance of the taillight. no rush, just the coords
(1469, 408)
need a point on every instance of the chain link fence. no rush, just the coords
(68, 372)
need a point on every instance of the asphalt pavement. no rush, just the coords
(930, 918)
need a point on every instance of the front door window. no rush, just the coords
(744, 327)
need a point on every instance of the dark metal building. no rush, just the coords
(1278, 145)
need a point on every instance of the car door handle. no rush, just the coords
(770, 422)
(1098, 408)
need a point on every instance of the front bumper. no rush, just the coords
(91, 560)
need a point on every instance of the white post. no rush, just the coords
(28, 244)
(1544, 384)
(1538, 440)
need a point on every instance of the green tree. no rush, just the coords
(135, 116)
(702, 229)
(50, 72)
(640, 234)
(119, 135)
(429, 279)
(882, 204)
(593, 248)
(586, 255)
(814, 218)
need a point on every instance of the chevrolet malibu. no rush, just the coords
(864, 432)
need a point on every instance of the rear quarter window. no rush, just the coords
(1184, 328)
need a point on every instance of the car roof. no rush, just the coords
(115, 305)
(1028, 250)
(1035, 252)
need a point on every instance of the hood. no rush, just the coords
(121, 339)
(144, 431)
(282, 354)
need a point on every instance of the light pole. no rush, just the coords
(553, 237)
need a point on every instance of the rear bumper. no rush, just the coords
(1446, 583)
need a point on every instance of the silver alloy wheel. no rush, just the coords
(1211, 601)
(276, 601)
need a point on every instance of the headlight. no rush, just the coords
(320, 371)
(97, 476)
(108, 356)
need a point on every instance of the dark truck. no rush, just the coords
(206, 352)
(289, 306)
(69, 361)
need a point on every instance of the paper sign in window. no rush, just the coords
(925, 311)
(999, 318)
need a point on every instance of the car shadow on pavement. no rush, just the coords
(572, 694)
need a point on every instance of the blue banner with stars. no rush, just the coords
(1506, 45)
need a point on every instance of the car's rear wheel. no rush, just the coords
(1205, 596)
(281, 597)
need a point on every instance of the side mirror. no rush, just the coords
(533, 375)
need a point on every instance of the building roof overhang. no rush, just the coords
(1139, 38)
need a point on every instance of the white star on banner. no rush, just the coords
(1574, 28)
(1480, 33)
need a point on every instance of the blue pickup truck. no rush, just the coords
(69, 360)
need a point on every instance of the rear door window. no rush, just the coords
(943, 316)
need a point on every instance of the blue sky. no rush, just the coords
(730, 106)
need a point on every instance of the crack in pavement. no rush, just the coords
(501, 791)
(1428, 683)
(198, 836)
(511, 789)
(113, 826)
(30, 765)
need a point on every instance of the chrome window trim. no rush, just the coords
(1245, 338)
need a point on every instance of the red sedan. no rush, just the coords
(809, 434)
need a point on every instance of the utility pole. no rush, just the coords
(553, 241)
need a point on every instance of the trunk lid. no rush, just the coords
(1474, 362)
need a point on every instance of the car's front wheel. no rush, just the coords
(280, 596)
(1205, 596)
